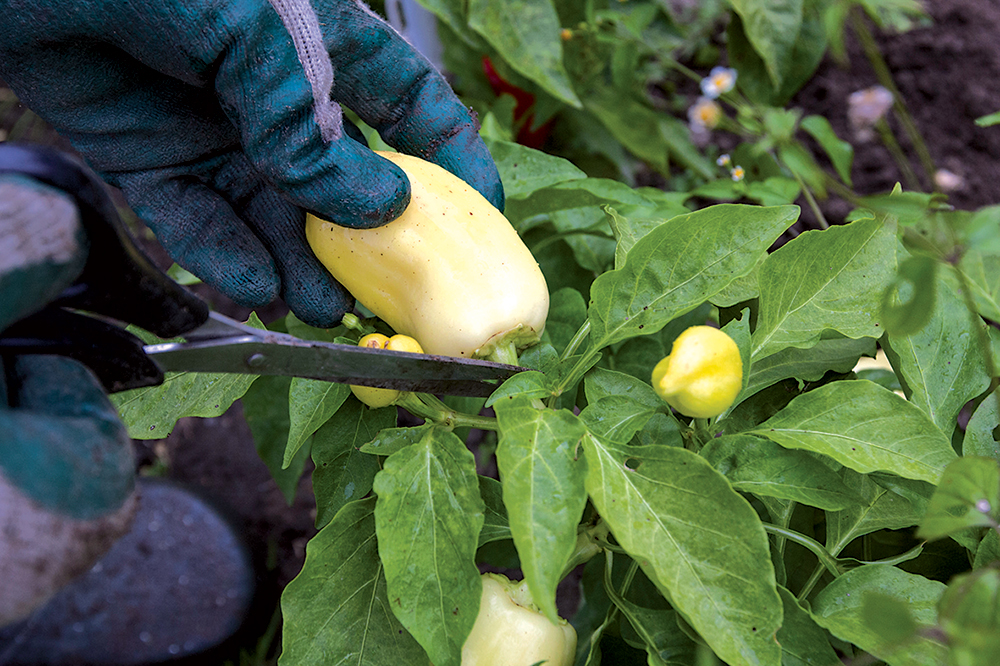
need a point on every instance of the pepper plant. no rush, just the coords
(830, 513)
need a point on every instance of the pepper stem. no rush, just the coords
(429, 408)
(505, 352)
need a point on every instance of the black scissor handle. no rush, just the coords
(118, 280)
(115, 356)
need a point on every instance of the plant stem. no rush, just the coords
(889, 139)
(578, 338)
(811, 583)
(826, 560)
(545, 242)
(588, 544)
(811, 200)
(784, 519)
(505, 352)
(702, 435)
(884, 75)
(429, 408)
(844, 192)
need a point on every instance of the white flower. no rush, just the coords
(723, 160)
(720, 80)
(866, 107)
(737, 173)
(704, 114)
(948, 181)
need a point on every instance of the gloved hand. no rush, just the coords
(201, 112)
(66, 462)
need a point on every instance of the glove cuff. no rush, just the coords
(41, 550)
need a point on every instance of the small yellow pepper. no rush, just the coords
(376, 397)
(703, 373)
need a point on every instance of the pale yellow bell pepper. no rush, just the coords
(450, 272)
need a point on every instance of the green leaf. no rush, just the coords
(916, 278)
(567, 313)
(988, 551)
(585, 231)
(300, 329)
(652, 136)
(543, 490)
(310, 404)
(336, 611)
(840, 608)
(802, 163)
(803, 642)
(840, 152)
(182, 276)
(526, 34)
(524, 170)
(679, 265)
(660, 429)
(808, 50)
(772, 27)
(152, 412)
(989, 120)
(982, 434)
(983, 273)
(452, 13)
(839, 272)
(773, 191)
(911, 208)
(890, 615)
(882, 505)
(758, 466)
(616, 418)
(862, 426)
(970, 616)
(697, 540)
(569, 195)
(657, 629)
(836, 354)
(428, 518)
(631, 222)
(390, 440)
(739, 290)
(265, 407)
(602, 383)
(496, 527)
(531, 384)
(942, 365)
(343, 473)
(967, 496)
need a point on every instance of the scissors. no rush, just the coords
(120, 285)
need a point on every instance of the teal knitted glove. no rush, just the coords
(66, 463)
(205, 113)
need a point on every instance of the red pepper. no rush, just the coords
(524, 116)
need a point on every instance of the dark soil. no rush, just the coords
(948, 75)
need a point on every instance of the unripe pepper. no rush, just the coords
(377, 397)
(510, 631)
(703, 373)
(450, 272)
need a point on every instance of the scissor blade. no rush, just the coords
(347, 364)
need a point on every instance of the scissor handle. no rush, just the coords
(115, 356)
(118, 280)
